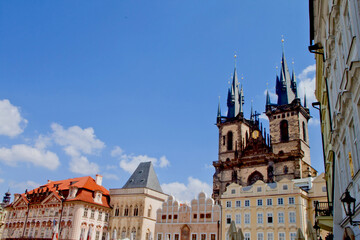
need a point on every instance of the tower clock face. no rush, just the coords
(255, 134)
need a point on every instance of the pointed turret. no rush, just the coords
(233, 97)
(305, 104)
(283, 85)
(268, 103)
(218, 119)
(251, 112)
(241, 99)
(293, 84)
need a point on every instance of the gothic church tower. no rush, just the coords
(247, 153)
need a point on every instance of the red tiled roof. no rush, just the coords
(86, 186)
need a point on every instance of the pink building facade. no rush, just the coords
(198, 221)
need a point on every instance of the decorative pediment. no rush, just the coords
(20, 202)
(52, 198)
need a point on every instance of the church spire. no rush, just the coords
(234, 97)
(293, 84)
(241, 99)
(267, 98)
(305, 104)
(284, 85)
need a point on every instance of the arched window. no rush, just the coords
(133, 234)
(284, 131)
(304, 131)
(123, 233)
(254, 177)
(230, 140)
(136, 211)
(149, 211)
(126, 211)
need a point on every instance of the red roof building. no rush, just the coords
(75, 208)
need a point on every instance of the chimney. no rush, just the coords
(98, 179)
(49, 181)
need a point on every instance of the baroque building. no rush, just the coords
(76, 207)
(199, 220)
(247, 153)
(134, 205)
(274, 210)
(335, 41)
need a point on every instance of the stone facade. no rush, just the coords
(180, 221)
(134, 206)
(247, 153)
(335, 40)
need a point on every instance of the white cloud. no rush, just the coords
(307, 84)
(42, 142)
(164, 162)
(81, 165)
(76, 143)
(27, 154)
(11, 122)
(116, 152)
(187, 192)
(314, 122)
(21, 186)
(129, 162)
(2, 180)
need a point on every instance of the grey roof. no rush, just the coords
(144, 177)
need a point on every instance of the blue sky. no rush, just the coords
(96, 86)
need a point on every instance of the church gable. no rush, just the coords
(51, 199)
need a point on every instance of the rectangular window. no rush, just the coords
(97, 236)
(280, 217)
(292, 217)
(260, 218)
(293, 236)
(168, 236)
(270, 218)
(238, 218)
(291, 200)
(285, 187)
(175, 216)
(228, 204)
(247, 236)
(260, 236)
(203, 236)
(232, 191)
(259, 202)
(247, 218)
(228, 218)
(169, 217)
(238, 203)
(269, 201)
(258, 189)
(176, 237)
(193, 237)
(85, 212)
(163, 217)
(106, 217)
(100, 216)
(195, 215)
(202, 215)
(247, 203)
(92, 216)
(270, 236)
(280, 201)
(281, 236)
(208, 215)
(213, 237)
(159, 236)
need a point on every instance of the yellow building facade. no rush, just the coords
(272, 210)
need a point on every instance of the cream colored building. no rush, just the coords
(272, 210)
(198, 221)
(134, 206)
(78, 206)
(335, 41)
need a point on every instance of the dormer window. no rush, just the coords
(98, 197)
(72, 192)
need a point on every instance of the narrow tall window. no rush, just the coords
(230, 141)
(304, 131)
(284, 131)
